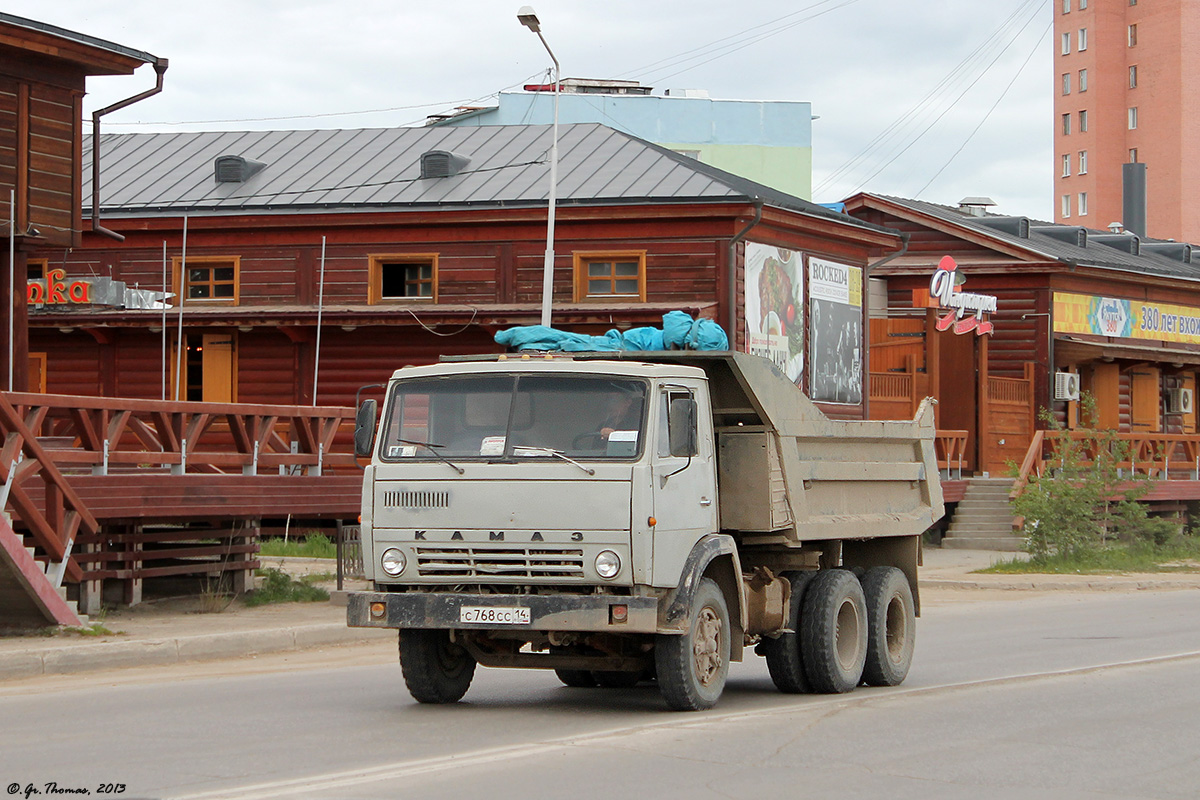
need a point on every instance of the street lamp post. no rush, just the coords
(528, 18)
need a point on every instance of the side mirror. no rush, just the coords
(364, 428)
(682, 426)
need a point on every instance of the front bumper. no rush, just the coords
(548, 612)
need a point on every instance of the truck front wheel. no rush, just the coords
(435, 669)
(833, 631)
(692, 668)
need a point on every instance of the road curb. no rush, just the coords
(91, 656)
(1099, 583)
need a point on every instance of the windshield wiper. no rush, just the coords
(556, 453)
(432, 447)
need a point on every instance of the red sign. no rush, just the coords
(941, 289)
(56, 291)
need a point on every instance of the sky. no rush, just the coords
(930, 100)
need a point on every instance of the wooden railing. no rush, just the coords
(1163, 456)
(892, 385)
(56, 521)
(1010, 390)
(70, 465)
(113, 433)
(951, 450)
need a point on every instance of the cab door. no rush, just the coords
(684, 483)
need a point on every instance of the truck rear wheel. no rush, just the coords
(435, 669)
(784, 659)
(833, 631)
(891, 626)
(692, 668)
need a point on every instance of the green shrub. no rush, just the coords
(1086, 500)
(314, 545)
(278, 587)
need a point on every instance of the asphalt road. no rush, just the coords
(1057, 696)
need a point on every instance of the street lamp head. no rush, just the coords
(528, 18)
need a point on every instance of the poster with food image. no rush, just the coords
(774, 306)
(835, 332)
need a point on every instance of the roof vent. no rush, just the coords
(1070, 234)
(235, 169)
(1177, 251)
(442, 164)
(976, 206)
(1013, 226)
(1125, 242)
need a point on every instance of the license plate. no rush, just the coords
(494, 615)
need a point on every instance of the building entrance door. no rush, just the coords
(208, 369)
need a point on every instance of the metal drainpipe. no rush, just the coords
(733, 315)
(160, 66)
(867, 333)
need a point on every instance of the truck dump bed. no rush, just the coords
(788, 473)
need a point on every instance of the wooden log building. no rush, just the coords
(407, 244)
(1077, 309)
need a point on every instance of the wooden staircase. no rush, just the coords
(31, 595)
(983, 520)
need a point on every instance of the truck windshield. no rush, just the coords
(511, 417)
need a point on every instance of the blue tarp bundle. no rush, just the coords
(679, 332)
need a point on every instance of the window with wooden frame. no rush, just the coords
(403, 278)
(35, 269)
(610, 275)
(208, 279)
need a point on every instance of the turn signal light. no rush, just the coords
(378, 610)
(651, 521)
(618, 614)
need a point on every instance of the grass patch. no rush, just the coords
(94, 629)
(314, 545)
(278, 587)
(1181, 556)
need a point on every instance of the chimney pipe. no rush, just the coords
(1133, 197)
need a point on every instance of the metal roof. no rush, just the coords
(375, 169)
(81, 38)
(1043, 240)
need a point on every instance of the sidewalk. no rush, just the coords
(177, 631)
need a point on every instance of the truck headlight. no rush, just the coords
(393, 561)
(608, 564)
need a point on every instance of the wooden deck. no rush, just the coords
(110, 492)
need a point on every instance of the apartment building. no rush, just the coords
(1123, 69)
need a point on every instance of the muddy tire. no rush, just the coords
(435, 669)
(833, 631)
(891, 626)
(692, 668)
(784, 659)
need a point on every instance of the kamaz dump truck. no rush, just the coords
(621, 517)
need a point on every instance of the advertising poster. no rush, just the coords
(835, 331)
(1128, 319)
(774, 306)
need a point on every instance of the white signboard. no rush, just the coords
(775, 306)
(835, 332)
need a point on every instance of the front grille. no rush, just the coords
(508, 562)
(416, 499)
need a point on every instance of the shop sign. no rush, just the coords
(1126, 319)
(958, 304)
(56, 290)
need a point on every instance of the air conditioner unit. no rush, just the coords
(1066, 386)
(1180, 401)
